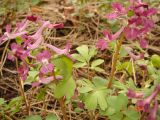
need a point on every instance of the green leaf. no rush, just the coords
(65, 88)
(99, 82)
(33, 117)
(130, 13)
(51, 117)
(92, 52)
(31, 76)
(96, 98)
(117, 102)
(65, 65)
(19, 40)
(91, 101)
(117, 116)
(98, 69)
(132, 115)
(79, 65)
(83, 50)
(156, 60)
(123, 52)
(120, 85)
(15, 105)
(2, 101)
(96, 62)
(85, 89)
(78, 57)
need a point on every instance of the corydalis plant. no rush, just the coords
(136, 23)
(148, 105)
(27, 44)
(136, 19)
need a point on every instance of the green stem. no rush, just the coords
(115, 59)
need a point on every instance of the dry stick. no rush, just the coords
(63, 108)
(3, 55)
(134, 73)
(22, 91)
(114, 60)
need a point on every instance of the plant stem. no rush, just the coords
(63, 108)
(114, 60)
(22, 92)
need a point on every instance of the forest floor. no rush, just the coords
(77, 30)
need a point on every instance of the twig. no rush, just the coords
(114, 60)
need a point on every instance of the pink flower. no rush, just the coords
(8, 28)
(46, 68)
(18, 51)
(59, 51)
(133, 56)
(118, 7)
(112, 16)
(114, 36)
(132, 94)
(46, 80)
(119, 10)
(150, 12)
(37, 37)
(145, 104)
(153, 111)
(23, 71)
(131, 33)
(31, 18)
(44, 59)
(43, 56)
(143, 43)
(60, 25)
(101, 44)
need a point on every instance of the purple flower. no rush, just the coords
(31, 18)
(131, 33)
(46, 80)
(47, 68)
(43, 56)
(143, 43)
(37, 37)
(114, 36)
(21, 26)
(133, 56)
(132, 94)
(150, 12)
(44, 59)
(118, 11)
(118, 7)
(23, 71)
(8, 28)
(10, 56)
(59, 51)
(144, 105)
(112, 16)
(153, 112)
(60, 25)
(18, 51)
(35, 84)
(101, 44)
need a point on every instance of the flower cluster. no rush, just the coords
(24, 49)
(147, 105)
(136, 22)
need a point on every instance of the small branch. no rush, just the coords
(114, 60)
(22, 91)
(63, 108)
